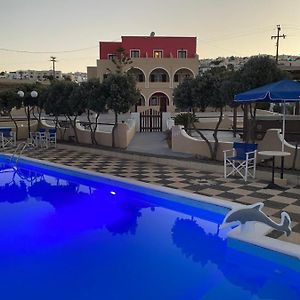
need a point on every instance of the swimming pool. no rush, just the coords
(66, 234)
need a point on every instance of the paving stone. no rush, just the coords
(229, 195)
(275, 204)
(290, 195)
(259, 196)
(286, 200)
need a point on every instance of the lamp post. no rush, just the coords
(33, 94)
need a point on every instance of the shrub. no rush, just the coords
(185, 119)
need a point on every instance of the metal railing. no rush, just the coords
(22, 146)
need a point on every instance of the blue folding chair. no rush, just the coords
(241, 160)
(7, 137)
(51, 137)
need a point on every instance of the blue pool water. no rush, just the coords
(65, 235)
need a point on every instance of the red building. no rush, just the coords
(158, 63)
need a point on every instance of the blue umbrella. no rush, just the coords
(280, 91)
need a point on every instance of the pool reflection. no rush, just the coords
(255, 275)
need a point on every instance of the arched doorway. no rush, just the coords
(159, 99)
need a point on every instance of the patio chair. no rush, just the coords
(51, 137)
(41, 137)
(241, 160)
(7, 137)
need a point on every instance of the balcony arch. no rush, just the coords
(182, 73)
(137, 73)
(159, 75)
(159, 99)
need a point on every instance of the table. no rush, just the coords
(274, 154)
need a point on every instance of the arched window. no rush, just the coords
(137, 74)
(181, 74)
(159, 75)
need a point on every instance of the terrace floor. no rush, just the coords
(189, 179)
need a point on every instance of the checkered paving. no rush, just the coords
(192, 180)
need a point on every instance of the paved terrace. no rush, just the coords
(184, 174)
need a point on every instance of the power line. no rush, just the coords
(46, 52)
(237, 35)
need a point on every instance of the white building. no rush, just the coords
(76, 77)
(231, 62)
(34, 75)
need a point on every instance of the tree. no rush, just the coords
(96, 101)
(121, 93)
(57, 100)
(213, 88)
(121, 60)
(209, 92)
(75, 105)
(182, 95)
(88, 96)
(8, 100)
(40, 102)
(256, 72)
(29, 101)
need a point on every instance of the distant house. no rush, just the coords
(231, 63)
(34, 75)
(159, 64)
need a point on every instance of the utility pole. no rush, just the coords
(53, 59)
(277, 40)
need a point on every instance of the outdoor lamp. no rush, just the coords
(21, 94)
(33, 94)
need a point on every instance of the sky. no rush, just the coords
(71, 30)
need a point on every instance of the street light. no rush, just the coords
(33, 94)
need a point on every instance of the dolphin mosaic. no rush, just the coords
(253, 213)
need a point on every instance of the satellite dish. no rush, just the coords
(152, 34)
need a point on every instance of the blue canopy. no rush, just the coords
(283, 90)
(280, 91)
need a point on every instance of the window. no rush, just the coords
(158, 54)
(111, 56)
(176, 78)
(135, 53)
(182, 54)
